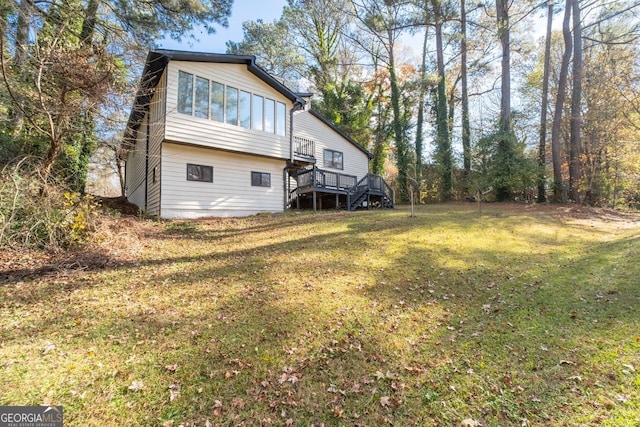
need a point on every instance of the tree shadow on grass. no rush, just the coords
(520, 345)
(298, 328)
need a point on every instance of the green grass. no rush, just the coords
(510, 316)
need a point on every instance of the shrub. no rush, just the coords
(34, 214)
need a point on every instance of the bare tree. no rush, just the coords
(558, 187)
(576, 107)
(542, 197)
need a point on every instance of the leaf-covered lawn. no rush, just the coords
(509, 316)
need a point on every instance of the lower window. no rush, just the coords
(260, 179)
(333, 159)
(199, 173)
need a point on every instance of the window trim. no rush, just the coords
(261, 175)
(202, 177)
(274, 123)
(332, 164)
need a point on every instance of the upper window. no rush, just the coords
(185, 92)
(217, 101)
(199, 173)
(258, 113)
(261, 179)
(269, 115)
(207, 99)
(202, 98)
(232, 106)
(245, 109)
(333, 159)
(281, 115)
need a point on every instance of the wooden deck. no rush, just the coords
(319, 188)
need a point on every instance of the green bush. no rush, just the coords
(502, 165)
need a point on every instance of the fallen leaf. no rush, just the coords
(629, 366)
(385, 401)
(49, 347)
(171, 368)
(136, 386)
(469, 422)
(567, 362)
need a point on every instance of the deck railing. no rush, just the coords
(322, 178)
(377, 183)
(304, 146)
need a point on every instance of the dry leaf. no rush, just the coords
(136, 386)
(385, 401)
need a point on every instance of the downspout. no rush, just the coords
(297, 106)
(146, 165)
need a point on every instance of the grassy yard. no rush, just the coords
(511, 316)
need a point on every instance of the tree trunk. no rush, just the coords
(89, 23)
(466, 127)
(502, 7)
(23, 25)
(398, 133)
(120, 166)
(421, 102)
(542, 156)
(503, 193)
(576, 100)
(442, 117)
(558, 190)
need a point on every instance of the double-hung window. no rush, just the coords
(333, 159)
(260, 179)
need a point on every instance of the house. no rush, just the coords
(215, 135)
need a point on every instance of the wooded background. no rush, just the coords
(487, 104)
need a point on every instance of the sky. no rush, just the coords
(241, 11)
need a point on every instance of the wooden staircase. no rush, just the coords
(371, 191)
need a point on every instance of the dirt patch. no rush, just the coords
(119, 204)
(114, 242)
(579, 213)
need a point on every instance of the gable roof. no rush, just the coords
(157, 61)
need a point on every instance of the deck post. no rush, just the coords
(337, 206)
(314, 200)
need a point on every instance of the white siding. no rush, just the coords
(135, 168)
(156, 136)
(230, 194)
(355, 161)
(209, 133)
